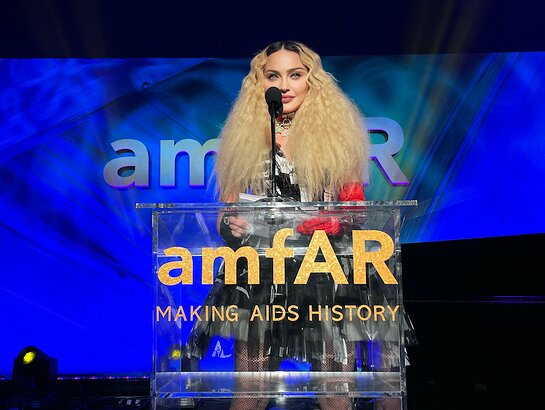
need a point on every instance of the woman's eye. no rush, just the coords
(296, 75)
(271, 76)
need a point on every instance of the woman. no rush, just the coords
(321, 131)
(322, 156)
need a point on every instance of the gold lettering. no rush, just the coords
(276, 310)
(232, 313)
(337, 313)
(364, 318)
(377, 259)
(168, 311)
(393, 312)
(379, 311)
(349, 309)
(230, 257)
(321, 242)
(279, 253)
(218, 314)
(194, 311)
(186, 265)
(312, 312)
(180, 314)
(256, 312)
(293, 313)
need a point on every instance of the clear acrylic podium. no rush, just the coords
(363, 259)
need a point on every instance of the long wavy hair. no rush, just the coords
(328, 144)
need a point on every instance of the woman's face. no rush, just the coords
(285, 71)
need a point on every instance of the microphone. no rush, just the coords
(273, 97)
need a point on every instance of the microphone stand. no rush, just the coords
(272, 174)
(274, 217)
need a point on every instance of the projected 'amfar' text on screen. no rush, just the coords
(134, 170)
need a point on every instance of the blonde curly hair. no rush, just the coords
(328, 144)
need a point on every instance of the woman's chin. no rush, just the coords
(288, 110)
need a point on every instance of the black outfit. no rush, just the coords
(326, 344)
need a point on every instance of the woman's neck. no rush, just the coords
(283, 124)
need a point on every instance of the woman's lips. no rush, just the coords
(286, 99)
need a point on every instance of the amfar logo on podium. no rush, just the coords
(382, 154)
(310, 265)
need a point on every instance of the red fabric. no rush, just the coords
(351, 193)
(332, 225)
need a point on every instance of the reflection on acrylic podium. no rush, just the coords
(280, 313)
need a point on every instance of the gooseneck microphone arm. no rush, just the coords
(273, 97)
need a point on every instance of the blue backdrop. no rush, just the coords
(76, 275)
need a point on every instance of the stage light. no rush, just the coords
(34, 371)
(175, 354)
(29, 357)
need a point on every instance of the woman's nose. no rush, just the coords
(284, 85)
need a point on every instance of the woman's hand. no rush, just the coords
(237, 225)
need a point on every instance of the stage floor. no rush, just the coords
(424, 393)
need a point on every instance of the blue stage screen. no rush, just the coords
(76, 278)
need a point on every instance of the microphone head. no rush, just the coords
(273, 98)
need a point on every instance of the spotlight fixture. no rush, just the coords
(34, 371)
